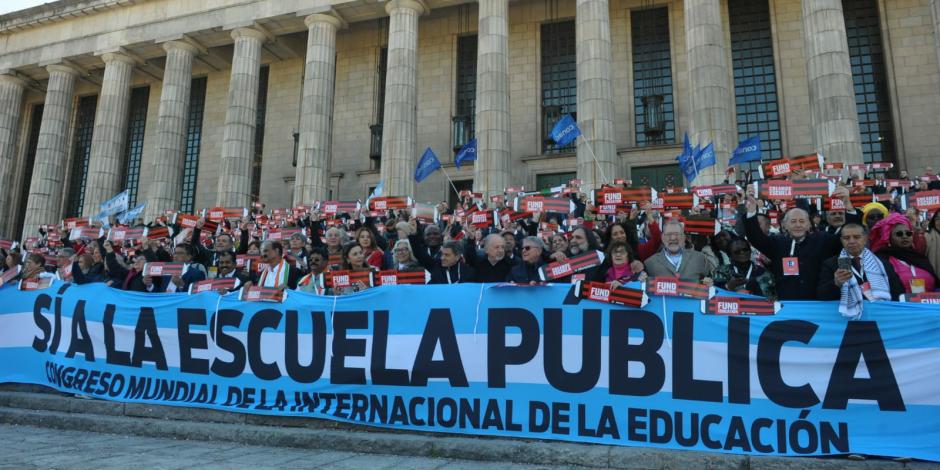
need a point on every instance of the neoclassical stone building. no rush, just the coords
(222, 102)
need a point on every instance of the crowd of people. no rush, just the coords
(815, 248)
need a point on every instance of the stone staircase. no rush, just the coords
(38, 406)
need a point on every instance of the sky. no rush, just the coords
(6, 6)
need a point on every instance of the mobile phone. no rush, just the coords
(845, 263)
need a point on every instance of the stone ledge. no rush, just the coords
(23, 405)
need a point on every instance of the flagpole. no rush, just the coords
(451, 182)
(597, 164)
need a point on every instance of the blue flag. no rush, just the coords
(130, 215)
(428, 164)
(467, 153)
(565, 131)
(706, 158)
(747, 151)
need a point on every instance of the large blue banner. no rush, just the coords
(530, 362)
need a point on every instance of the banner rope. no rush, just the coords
(477, 320)
(666, 324)
(333, 321)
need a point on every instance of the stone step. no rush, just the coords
(28, 406)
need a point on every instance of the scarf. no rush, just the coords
(851, 299)
(615, 273)
(279, 274)
(910, 257)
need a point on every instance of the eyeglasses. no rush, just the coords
(904, 233)
(527, 248)
(401, 250)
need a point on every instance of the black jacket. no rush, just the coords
(460, 273)
(488, 272)
(815, 247)
(829, 291)
(524, 273)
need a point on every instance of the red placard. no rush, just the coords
(35, 283)
(924, 200)
(340, 279)
(163, 269)
(735, 306)
(394, 278)
(389, 203)
(600, 292)
(338, 207)
(570, 266)
(212, 285)
(672, 287)
(261, 294)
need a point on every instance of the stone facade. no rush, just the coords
(324, 88)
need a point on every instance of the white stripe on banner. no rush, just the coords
(915, 369)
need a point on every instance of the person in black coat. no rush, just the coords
(494, 266)
(228, 269)
(854, 240)
(801, 248)
(527, 272)
(447, 265)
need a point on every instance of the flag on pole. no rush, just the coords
(467, 153)
(747, 151)
(706, 158)
(565, 131)
(129, 216)
(427, 165)
(115, 205)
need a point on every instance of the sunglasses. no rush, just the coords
(904, 233)
(527, 248)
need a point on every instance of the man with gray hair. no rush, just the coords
(494, 266)
(796, 256)
(527, 272)
(677, 262)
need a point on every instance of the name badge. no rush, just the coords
(918, 286)
(791, 266)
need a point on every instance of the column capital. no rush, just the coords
(249, 33)
(13, 80)
(416, 5)
(329, 18)
(62, 68)
(171, 46)
(109, 57)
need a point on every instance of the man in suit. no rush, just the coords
(675, 261)
(228, 269)
(527, 272)
(796, 257)
(879, 282)
(277, 273)
(192, 272)
(448, 266)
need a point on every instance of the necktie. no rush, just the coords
(857, 263)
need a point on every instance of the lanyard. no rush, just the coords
(792, 246)
(911, 266)
(447, 273)
(749, 270)
(860, 276)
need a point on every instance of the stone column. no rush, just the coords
(312, 181)
(400, 122)
(110, 134)
(170, 145)
(491, 172)
(711, 86)
(11, 104)
(44, 205)
(595, 94)
(831, 89)
(935, 13)
(238, 140)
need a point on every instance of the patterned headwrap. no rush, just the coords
(870, 207)
(880, 235)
